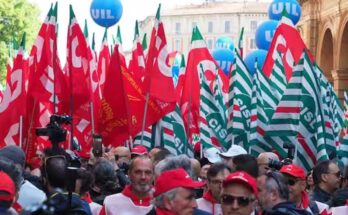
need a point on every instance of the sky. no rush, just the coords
(132, 10)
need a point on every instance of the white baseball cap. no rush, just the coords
(233, 151)
(212, 154)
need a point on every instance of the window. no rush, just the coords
(210, 43)
(210, 27)
(252, 44)
(227, 26)
(177, 28)
(253, 26)
(177, 45)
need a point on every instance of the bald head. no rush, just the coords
(122, 154)
(196, 167)
(263, 160)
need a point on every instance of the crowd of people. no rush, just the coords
(120, 181)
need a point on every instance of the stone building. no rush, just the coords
(324, 28)
(214, 19)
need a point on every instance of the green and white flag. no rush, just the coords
(213, 124)
(173, 136)
(239, 102)
(278, 79)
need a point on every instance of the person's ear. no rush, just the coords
(167, 203)
(303, 185)
(324, 177)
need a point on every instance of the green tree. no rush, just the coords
(16, 17)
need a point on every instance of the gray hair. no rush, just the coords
(277, 182)
(169, 163)
(159, 200)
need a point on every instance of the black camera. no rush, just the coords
(277, 165)
(53, 130)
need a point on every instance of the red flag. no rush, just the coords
(190, 100)
(12, 107)
(103, 61)
(159, 80)
(137, 63)
(79, 58)
(287, 40)
(122, 106)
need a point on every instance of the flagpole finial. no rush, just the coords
(23, 40)
(158, 13)
(85, 30)
(136, 30)
(71, 12)
(119, 37)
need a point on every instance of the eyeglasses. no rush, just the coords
(241, 200)
(337, 174)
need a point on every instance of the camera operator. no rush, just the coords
(56, 181)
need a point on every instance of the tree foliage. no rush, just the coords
(16, 17)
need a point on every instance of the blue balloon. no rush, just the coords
(292, 7)
(225, 58)
(250, 59)
(224, 42)
(264, 34)
(106, 13)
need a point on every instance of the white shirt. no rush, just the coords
(122, 205)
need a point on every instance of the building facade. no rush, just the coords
(214, 19)
(324, 28)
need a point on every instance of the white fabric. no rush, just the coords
(122, 205)
(30, 196)
(95, 208)
(208, 207)
(339, 210)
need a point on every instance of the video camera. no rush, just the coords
(277, 165)
(53, 130)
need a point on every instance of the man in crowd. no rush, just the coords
(326, 177)
(29, 195)
(210, 201)
(274, 196)
(174, 193)
(239, 194)
(233, 151)
(296, 178)
(136, 197)
(263, 161)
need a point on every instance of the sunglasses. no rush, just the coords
(241, 200)
(292, 182)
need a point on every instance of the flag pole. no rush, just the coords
(92, 117)
(144, 118)
(20, 131)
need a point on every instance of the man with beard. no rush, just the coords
(136, 197)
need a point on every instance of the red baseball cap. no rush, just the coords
(244, 178)
(171, 179)
(139, 150)
(293, 170)
(84, 154)
(7, 185)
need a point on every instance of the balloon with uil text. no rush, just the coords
(224, 58)
(264, 34)
(292, 7)
(249, 60)
(224, 42)
(106, 13)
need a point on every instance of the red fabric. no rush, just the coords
(7, 185)
(103, 63)
(17, 207)
(102, 211)
(137, 63)
(88, 198)
(160, 211)
(305, 199)
(171, 179)
(242, 177)
(146, 201)
(209, 197)
(293, 170)
(13, 104)
(288, 42)
(190, 95)
(159, 80)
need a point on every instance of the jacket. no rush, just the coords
(286, 208)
